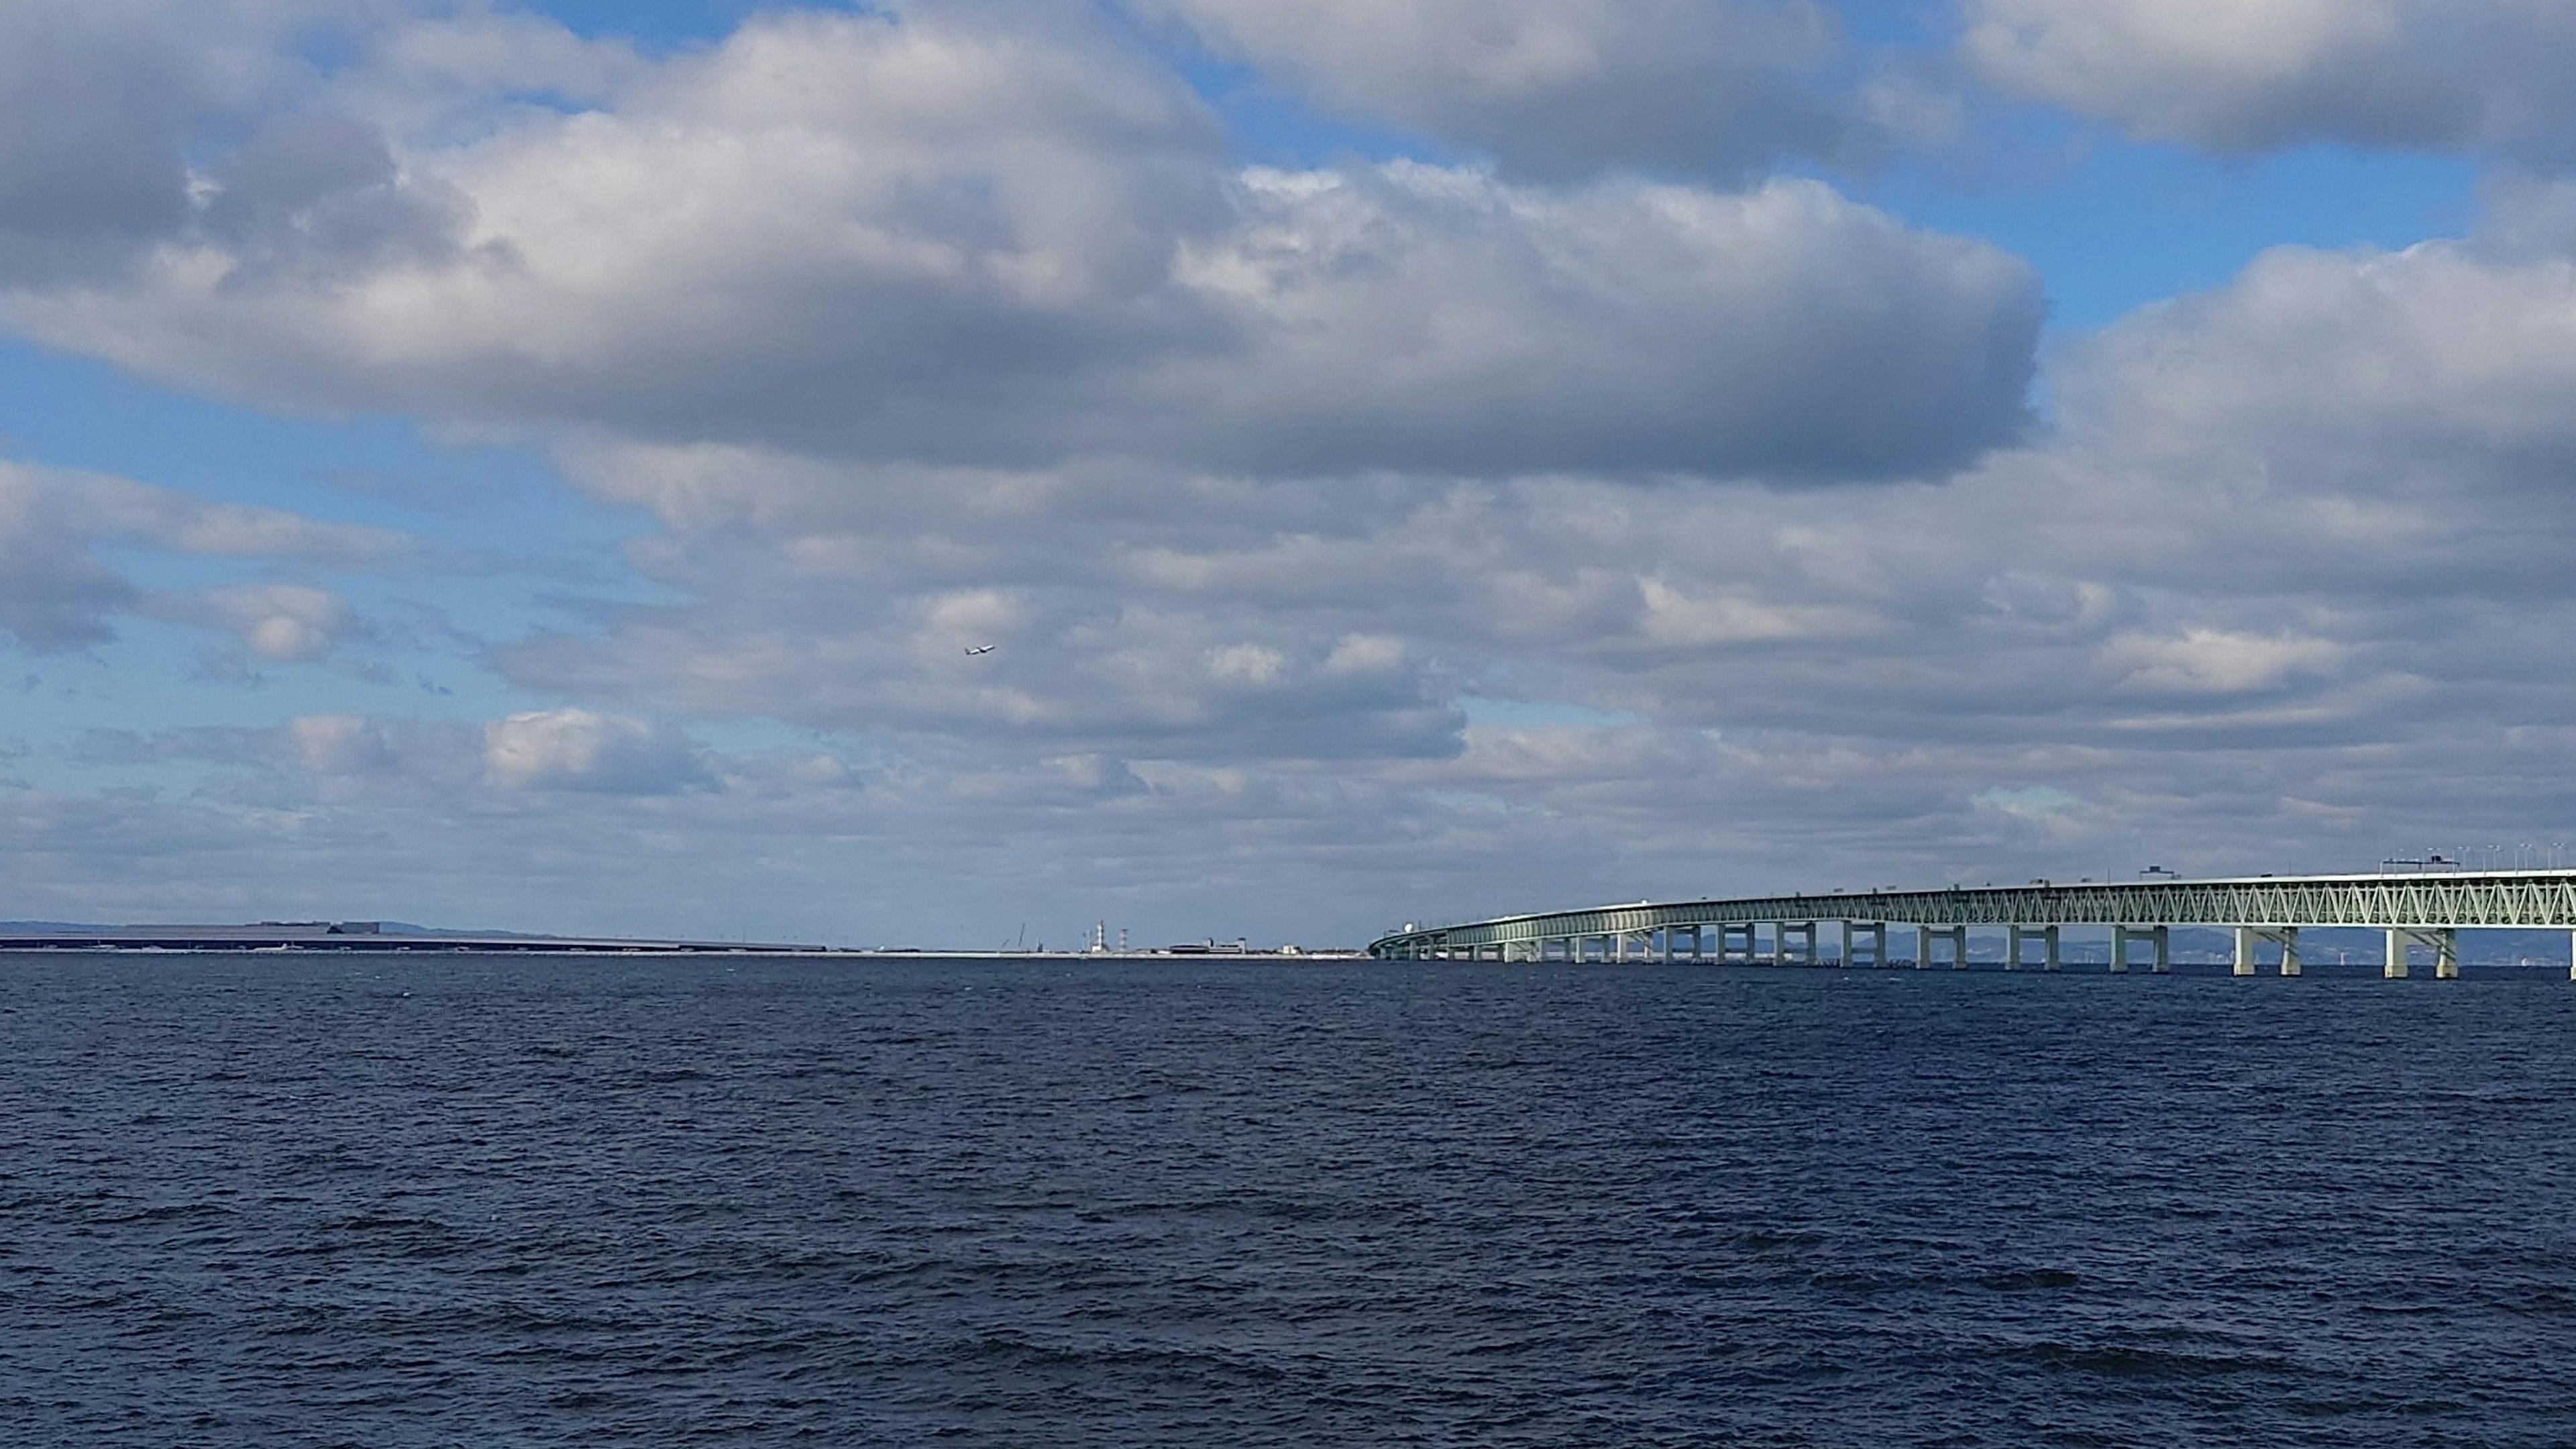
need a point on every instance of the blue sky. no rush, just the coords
(539, 466)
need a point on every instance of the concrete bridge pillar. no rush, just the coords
(1803, 953)
(2248, 937)
(2122, 937)
(1923, 950)
(2014, 936)
(2164, 949)
(2446, 955)
(1875, 933)
(2393, 965)
(1958, 947)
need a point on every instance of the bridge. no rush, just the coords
(2425, 910)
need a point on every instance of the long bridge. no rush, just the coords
(2424, 910)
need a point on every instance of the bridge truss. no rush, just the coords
(2426, 908)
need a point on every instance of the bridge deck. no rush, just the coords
(2428, 901)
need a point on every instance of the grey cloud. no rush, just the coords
(52, 600)
(311, 197)
(95, 104)
(105, 101)
(57, 593)
(1435, 321)
(918, 240)
(1074, 670)
(2481, 75)
(1554, 88)
(199, 744)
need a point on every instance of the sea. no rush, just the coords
(288, 1200)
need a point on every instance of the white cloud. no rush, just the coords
(2216, 661)
(579, 749)
(340, 744)
(2354, 368)
(283, 623)
(2487, 75)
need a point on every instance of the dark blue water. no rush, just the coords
(523, 1202)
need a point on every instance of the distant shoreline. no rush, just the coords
(368, 938)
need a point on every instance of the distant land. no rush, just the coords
(402, 937)
(374, 936)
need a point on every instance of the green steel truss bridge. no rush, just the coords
(2426, 910)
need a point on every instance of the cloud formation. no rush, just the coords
(918, 239)
(1556, 89)
(579, 749)
(283, 623)
(2244, 75)
(1614, 519)
(57, 592)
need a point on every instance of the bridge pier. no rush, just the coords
(2015, 935)
(2445, 941)
(2123, 937)
(2249, 937)
(1875, 932)
(1924, 936)
(1802, 954)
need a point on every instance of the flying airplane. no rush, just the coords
(979, 649)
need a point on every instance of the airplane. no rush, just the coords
(973, 649)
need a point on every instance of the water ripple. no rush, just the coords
(533, 1202)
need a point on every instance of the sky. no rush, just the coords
(544, 466)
